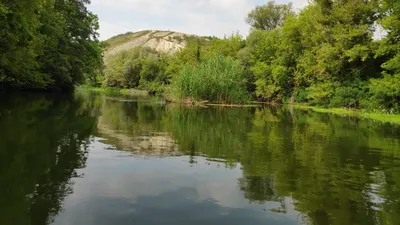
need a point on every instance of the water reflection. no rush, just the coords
(136, 127)
(43, 140)
(160, 191)
(192, 165)
(337, 170)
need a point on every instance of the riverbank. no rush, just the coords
(110, 90)
(386, 118)
(382, 117)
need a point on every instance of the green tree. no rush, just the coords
(338, 50)
(269, 16)
(324, 55)
(20, 44)
(47, 44)
(229, 46)
(72, 50)
(140, 67)
(386, 90)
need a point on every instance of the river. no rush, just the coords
(91, 159)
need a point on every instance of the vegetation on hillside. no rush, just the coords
(123, 38)
(142, 68)
(48, 44)
(324, 55)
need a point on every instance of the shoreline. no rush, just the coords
(111, 90)
(381, 117)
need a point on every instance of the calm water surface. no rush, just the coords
(106, 160)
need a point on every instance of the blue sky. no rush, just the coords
(200, 17)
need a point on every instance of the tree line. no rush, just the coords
(329, 54)
(47, 44)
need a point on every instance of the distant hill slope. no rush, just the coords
(164, 41)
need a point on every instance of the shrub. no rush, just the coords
(140, 67)
(386, 92)
(301, 95)
(321, 93)
(350, 94)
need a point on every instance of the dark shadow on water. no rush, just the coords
(44, 139)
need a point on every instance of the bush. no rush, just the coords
(217, 79)
(301, 95)
(321, 93)
(386, 91)
(141, 67)
(350, 94)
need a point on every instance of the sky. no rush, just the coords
(199, 17)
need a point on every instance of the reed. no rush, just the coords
(218, 79)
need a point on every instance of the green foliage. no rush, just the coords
(269, 16)
(19, 44)
(229, 46)
(140, 67)
(271, 64)
(218, 79)
(123, 38)
(321, 93)
(335, 52)
(351, 95)
(47, 44)
(386, 91)
(324, 55)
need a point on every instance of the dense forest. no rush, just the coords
(332, 53)
(47, 44)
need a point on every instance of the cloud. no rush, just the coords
(201, 17)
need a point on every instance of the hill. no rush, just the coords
(164, 41)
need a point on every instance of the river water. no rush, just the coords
(92, 159)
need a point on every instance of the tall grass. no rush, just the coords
(217, 79)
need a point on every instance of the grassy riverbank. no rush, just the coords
(382, 117)
(109, 90)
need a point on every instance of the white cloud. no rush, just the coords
(201, 17)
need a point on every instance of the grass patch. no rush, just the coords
(124, 38)
(386, 118)
(134, 92)
(115, 91)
